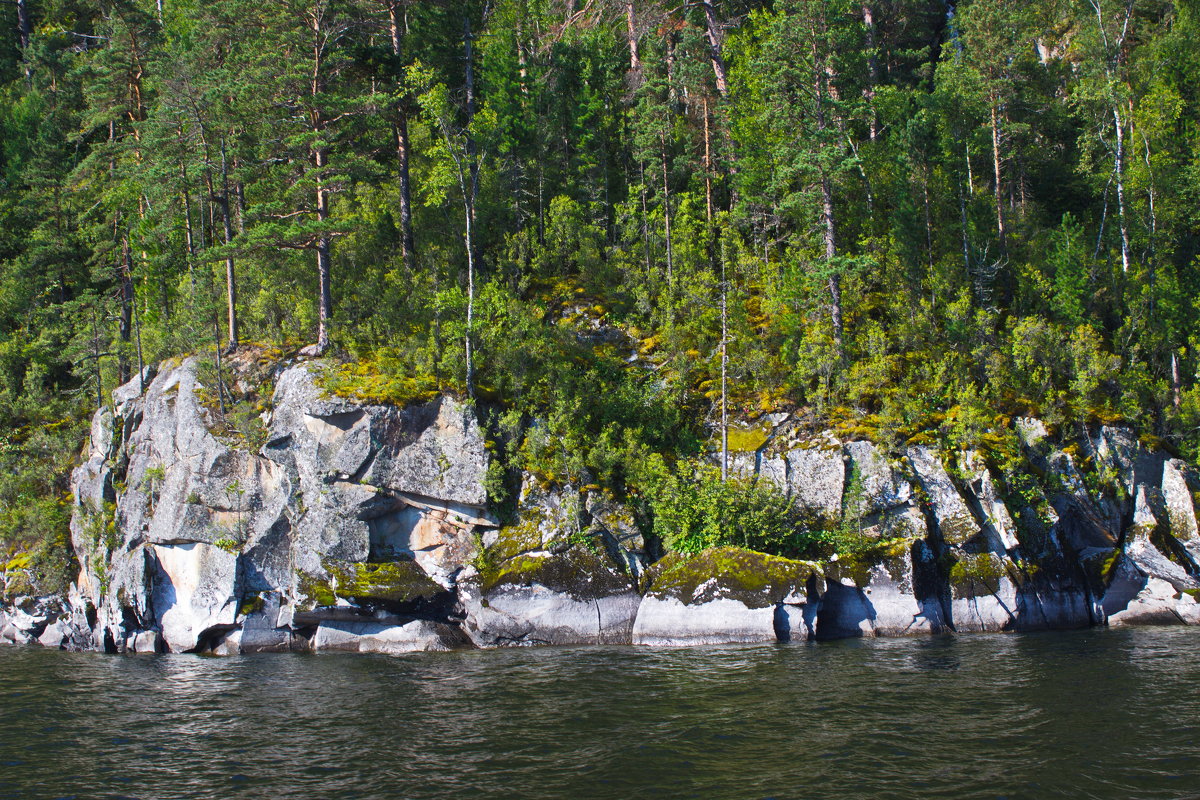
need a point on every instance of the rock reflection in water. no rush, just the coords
(1086, 714)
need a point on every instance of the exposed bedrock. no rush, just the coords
(350, 527)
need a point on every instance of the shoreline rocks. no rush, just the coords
(350, 527)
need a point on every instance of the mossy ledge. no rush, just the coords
(756, 579)
(393, 582)
(578, 571)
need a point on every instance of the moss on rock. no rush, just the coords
(513, 540)
(856, 567)
(391, 582)
(313, 592)
(974, 574)
(756, 579)
(579, 572)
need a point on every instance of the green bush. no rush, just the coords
(693, 509)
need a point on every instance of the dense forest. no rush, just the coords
(607, 222)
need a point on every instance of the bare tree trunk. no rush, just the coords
(713, 34)
(188, 237)
(835, 288)
(635, 62)
(966, 242)
(645, 220)
(872, 69)
(708, 185)
(1119, 176)
(672, 92)
(1001, 233)
(24, 27)
(1176, 382)
(472, 153)
(324, 251)
(928, 221)
(239, 191)
(216, 329)
(137, 331)
(24, 35)
(320, 156)
(135, 319)
(126, 320)
(470, 196)
(230, 278)
(96, 359)
(522, 60)
(662, 139)
(822, 85)
(408, 249)
(724, 369)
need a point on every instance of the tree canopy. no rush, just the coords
(917, 215)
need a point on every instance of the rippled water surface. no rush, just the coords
(1113, 714)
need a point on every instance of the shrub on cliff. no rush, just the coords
(693, 509)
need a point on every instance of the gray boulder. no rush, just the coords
(726, 595)
(894, 592)
(881, 484)
(816, 478)
(576, 596)
(376, 637)
(956, 525)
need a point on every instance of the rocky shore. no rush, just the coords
(367, 528)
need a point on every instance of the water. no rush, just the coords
(1090, 714)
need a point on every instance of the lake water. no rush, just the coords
(1087, 714)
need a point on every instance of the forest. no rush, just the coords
(611, 224)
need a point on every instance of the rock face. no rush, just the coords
(341, 526)
(728, 595)
(185, 534)
(549, 579)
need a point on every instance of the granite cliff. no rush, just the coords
(347, 526)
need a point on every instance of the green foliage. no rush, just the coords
(229, 545)
(382, 376)
(905, 239)
(693, 509)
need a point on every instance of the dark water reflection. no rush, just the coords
(1095, 714)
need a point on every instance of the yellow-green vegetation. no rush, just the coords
(40, 439)
(389, 582)
(583, 573)
(18, 561)
(228, 544)
(855, 563)
(695, 510)
(973, 574)
(756, 579)
(251, 604)
(313, 592)
(99, 525)
(747, 440)
(1099, 569)
(383, 377)
(523, 536)
(235, 398)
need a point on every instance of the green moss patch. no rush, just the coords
(313, 592)
(523, 537)
(579, 572)
(856, 564)
(755, 579)
(391, 582)
(975, 574)
(748, 440)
